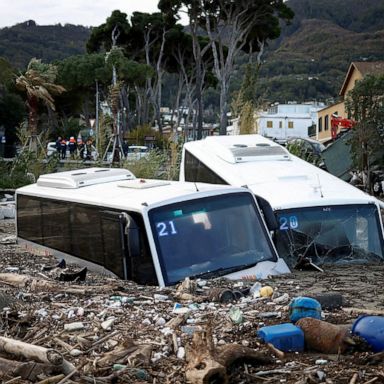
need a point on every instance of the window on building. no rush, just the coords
(280, 124)
(326, 123)
(269, 124)
(290, 124)
(320, 124)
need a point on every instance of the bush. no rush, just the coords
(25, 169)
(159, 164)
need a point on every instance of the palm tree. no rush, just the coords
(39, 83)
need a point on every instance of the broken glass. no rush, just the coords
(331, 234)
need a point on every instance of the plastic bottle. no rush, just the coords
(255, 289)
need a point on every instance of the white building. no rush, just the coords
(282, 121)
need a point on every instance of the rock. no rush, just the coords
(75, 352)
(107, 324)
(76, 326)
(282, 299)
(146, 322)
(158, 297)
(181, 353)
(8, 211)
(160, 321)
(6, 301)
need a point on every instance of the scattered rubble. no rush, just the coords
(7, 206)
(97, 329)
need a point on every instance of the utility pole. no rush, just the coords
(97, 116)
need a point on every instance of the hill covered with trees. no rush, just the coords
(312, 55)
(308, 61)
(20, 43)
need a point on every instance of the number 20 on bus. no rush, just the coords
(290, 222)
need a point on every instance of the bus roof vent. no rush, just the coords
(259, 153)
(84, 177)
(143, 183)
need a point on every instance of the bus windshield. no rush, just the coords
(330, 234)
(217, 235)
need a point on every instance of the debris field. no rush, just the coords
(61, 326)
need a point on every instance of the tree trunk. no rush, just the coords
(197, 54)
(223, 108)
(32, 115)
(202, 366)
(26, 370)
(30, 351)
(206, 363)
(236, 27)
(176, 105)
(85, 110)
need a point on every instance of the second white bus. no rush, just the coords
(319, 215)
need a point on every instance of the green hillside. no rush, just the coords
(20, 43)
(308, 61)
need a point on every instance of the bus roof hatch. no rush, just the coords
(245, 153)
(84, 177)
(143, 183)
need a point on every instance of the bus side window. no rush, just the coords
(86, 230)
(29, 220)
(56, 225)
(196, 171)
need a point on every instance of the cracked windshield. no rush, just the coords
(334, 234)
(220, 234)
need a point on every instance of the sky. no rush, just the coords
(78, 12)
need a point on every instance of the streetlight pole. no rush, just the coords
(97, 116)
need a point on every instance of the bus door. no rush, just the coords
(114, 243)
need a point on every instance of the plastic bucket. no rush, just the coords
(371, 329)
(301, 307)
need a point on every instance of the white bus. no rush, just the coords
(149, 231)
(319, 216)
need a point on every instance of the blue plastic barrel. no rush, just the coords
(371, 329)
(301, 307)
(286, 337)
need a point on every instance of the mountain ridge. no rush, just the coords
(308, 61)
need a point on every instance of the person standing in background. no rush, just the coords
(63, 149)
(72, 147)
(58, 145)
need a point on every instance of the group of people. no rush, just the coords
(77, 148)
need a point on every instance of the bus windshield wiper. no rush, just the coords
(221, 271)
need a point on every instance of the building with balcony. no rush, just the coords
(356, 71)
